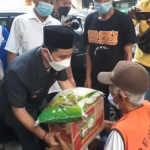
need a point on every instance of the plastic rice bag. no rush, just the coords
(68, 106)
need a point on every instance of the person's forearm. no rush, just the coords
(128, 52)
(28, 122)
(128, 57)
(10, 57)
(65, 84)
(88, 63)
(69, 72)
(108, 124)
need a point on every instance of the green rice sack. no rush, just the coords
(68, 106)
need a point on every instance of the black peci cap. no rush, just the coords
(58, 37)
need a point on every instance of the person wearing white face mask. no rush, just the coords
(27, 31)
(27, 82)
(109, 35)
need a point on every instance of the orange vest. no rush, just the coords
(134, 128)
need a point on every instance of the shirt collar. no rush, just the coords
(41, 70)
(32, 15)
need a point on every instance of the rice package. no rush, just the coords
(68, 106)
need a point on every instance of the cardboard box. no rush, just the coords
(80, 134)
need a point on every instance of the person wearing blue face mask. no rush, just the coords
(109, 35)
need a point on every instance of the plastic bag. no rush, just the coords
(68, 106)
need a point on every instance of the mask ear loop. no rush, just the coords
(50, 55)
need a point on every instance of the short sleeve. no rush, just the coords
(129, 35)
(139, 4)
(14, 40)
(16, 92)
(114, 142)
(61, 75)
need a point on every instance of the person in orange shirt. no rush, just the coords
(129, 82)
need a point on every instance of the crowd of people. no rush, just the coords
(38, 52)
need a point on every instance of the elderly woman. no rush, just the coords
(128, 82)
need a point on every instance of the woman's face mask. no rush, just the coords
(111, 100)
(103, 8)
(58, 66)
(44, 9)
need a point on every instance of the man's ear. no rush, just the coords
(123, 96)
(45, 52)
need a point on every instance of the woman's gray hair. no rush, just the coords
(135, 99)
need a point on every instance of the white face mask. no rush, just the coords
(58, 66)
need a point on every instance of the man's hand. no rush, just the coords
(50, 139)
(148, 22)
(64, 146)
(66, 23)
(72, 82)
(132, 11)
(88, 83)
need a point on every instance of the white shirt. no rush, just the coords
(114, 142)
(27, 32)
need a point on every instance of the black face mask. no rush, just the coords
(64, 10)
